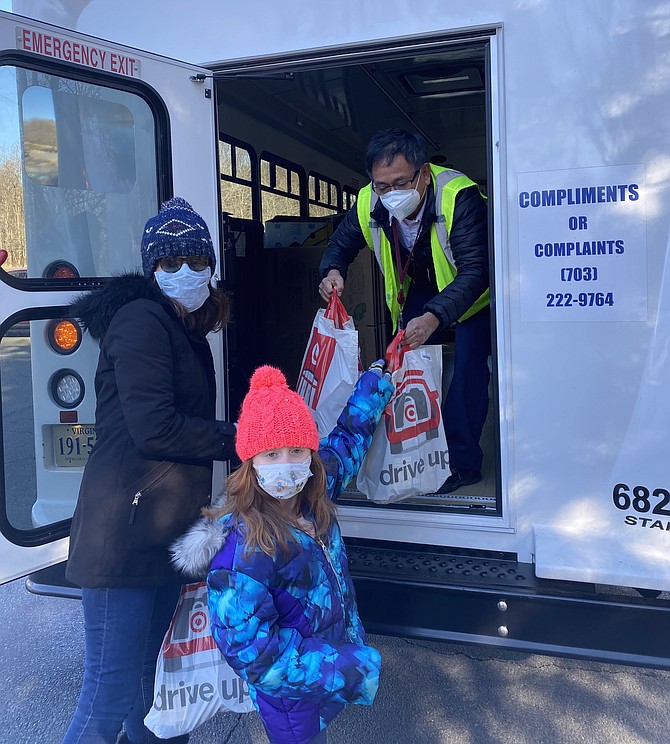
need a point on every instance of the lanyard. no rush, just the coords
(402, 270)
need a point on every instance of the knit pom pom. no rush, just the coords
(273, 416)
(176, 203)
(267, 376)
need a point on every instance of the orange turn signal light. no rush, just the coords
(64, 336)
(60, 270)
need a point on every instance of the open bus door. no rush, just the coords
(93, 137)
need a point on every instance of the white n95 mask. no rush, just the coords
(401, 202)
(283, 480)
(187, 287)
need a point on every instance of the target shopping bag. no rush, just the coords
(408, 455)
(193, 680)
(330, 366)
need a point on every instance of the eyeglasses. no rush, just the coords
(406, 183)
(171, 264)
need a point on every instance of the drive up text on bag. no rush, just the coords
(408, 455)
(193, 680)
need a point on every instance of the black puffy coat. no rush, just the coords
(150, 471)
(469, 245)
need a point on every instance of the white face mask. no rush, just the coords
(401, 203)
(283, 480)
(187, 287)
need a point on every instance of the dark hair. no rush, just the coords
(385, 146)
(211, 316)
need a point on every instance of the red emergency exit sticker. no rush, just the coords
(72, 50)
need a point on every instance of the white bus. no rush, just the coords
(557, 111)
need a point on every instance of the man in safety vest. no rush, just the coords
(427, 226)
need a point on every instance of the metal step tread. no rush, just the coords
(454, 566)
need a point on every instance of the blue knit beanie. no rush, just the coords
(177, 230)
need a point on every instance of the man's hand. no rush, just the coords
(419, 329)
(332, 281)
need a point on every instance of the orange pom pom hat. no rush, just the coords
(273, 416)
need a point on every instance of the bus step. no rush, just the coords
(436, 565)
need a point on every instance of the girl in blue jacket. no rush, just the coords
(282, 603)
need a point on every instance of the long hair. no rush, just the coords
(262, 515)
(213, 315)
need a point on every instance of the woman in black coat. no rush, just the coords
(150, 471)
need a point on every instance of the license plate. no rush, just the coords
(72, 444)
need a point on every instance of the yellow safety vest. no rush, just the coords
(447, 184)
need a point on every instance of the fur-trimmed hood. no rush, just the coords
(155, 410)
(192, 553)
(96, 308)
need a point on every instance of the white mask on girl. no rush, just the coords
(283, 480)
(187, 287)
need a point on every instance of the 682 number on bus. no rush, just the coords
(641, 499)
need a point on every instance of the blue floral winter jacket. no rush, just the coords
(289, 625)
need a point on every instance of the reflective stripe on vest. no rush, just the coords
(447, 184)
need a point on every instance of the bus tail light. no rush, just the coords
(61, 270)
(66, 388)
(64, 336)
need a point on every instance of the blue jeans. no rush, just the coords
(124, 630)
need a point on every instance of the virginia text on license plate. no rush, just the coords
(72, 444)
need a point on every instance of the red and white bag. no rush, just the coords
(408, 455)
(193, 680)
(330, 366)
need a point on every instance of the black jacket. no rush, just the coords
(469, 245)
(150, 471)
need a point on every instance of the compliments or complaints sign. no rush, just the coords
(582, 244)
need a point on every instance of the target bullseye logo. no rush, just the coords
(410, 410)
(413, 412)
(198, 621)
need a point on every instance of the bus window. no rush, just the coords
(325, 196)
(349, 195)
(237, 164)
(281, 187)
(86, 161)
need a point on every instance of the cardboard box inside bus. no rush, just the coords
(281, 232)
(291, 300)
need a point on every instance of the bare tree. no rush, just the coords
(12, 224)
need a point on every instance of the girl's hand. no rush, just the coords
(381, 369)
(378, 367)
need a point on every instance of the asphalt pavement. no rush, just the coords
(430, 693)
